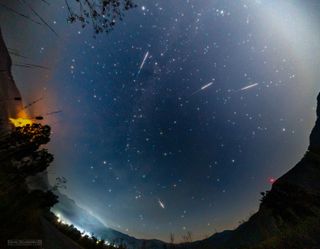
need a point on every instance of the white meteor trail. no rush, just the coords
(143, 61)
(203, 88)
(248, 87)
(161, 204)
(206, 86)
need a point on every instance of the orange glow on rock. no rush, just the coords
(20, 122)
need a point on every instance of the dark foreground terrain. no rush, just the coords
(288, 217)
(289, 214)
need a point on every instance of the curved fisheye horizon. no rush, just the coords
(178, 118)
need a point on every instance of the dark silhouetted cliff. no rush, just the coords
(289, 214)
(10, 98)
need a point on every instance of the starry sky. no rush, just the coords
(177, 119)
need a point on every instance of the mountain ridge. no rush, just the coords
(82, 219)
(293, 199)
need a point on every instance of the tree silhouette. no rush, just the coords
(101, 14)
(187, 238)
(172, 241)
(172, 238)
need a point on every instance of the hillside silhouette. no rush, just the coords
(25, 217)
(289, 214)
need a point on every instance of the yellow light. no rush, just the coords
(20, 122)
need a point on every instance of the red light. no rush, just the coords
(271, 180)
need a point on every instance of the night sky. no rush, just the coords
(222, 106)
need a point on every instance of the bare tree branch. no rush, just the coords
(101, 14)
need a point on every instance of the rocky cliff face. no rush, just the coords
(306, 174)
(315, 134)
(10, 98)
(289, 214)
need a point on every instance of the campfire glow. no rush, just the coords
(20, 122)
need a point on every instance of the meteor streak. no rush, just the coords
(161, 204)
(203, 88)
(248, 87)
(206, 86)
(143, 61)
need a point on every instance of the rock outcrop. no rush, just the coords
(10, 98)
(289, 214)
(315, 134)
